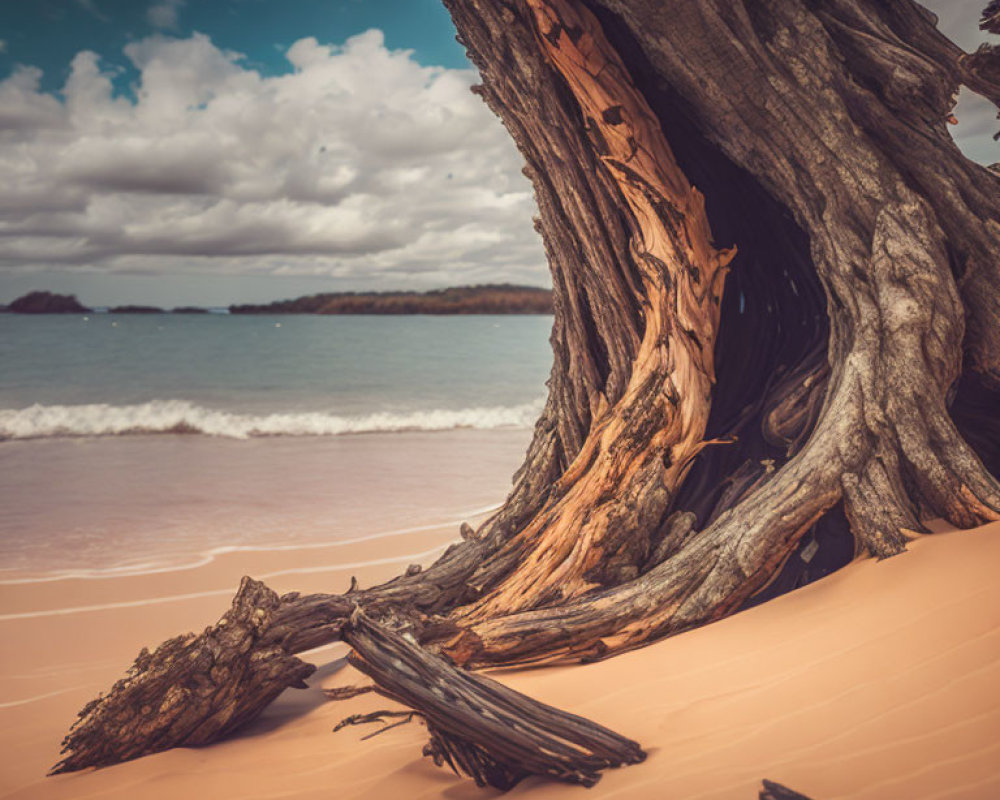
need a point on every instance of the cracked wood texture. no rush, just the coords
(479, 727)
(192, 689)
(837, 110)
(857, 344)
(595, 531)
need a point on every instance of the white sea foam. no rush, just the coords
(181, 416)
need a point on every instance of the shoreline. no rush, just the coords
(147, 506)
(209, 556)
(218, 571)
(162, 418)
(481, 299)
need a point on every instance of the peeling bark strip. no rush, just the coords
(479, 727)
(596, 531)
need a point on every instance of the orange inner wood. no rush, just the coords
(682, 281)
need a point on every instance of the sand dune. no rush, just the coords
(878, 682)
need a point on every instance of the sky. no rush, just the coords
(215, 151)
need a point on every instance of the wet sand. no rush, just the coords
(877, 682)
(76, 505)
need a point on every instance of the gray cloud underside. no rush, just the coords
(361, 164)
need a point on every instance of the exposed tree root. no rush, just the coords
(191, 690)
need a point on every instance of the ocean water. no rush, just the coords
(134, 442)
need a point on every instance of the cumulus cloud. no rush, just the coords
(164, 14)
(360, 164)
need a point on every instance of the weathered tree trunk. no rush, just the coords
(835, 110)
(595, 530)
(863, 301)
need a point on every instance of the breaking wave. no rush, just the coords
(180, 416)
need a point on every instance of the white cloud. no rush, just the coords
(164, 14)
(977, 116)
(360, 164)
(3, 45)
(959, 20)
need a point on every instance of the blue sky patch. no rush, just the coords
(48, 33)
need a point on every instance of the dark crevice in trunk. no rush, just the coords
(599, 352)
(974, 411)
(774, 314)
(825, 549)
(773, 331)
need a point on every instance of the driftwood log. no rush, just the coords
(226, 675)
(755, 380)
(479, 727)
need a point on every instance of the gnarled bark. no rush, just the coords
(852, 163)
(595, 530)
(192, 689)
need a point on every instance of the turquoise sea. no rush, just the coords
(129, 442)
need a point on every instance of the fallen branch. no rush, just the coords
(376, 716)
(347, 692)
(479, 727)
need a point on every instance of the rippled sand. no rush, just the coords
(878, 682)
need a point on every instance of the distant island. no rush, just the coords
(502, 298)
(136, 310)
(488, 299)
(47, 303)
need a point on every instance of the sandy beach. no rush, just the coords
(877, 682)
(675, 304)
